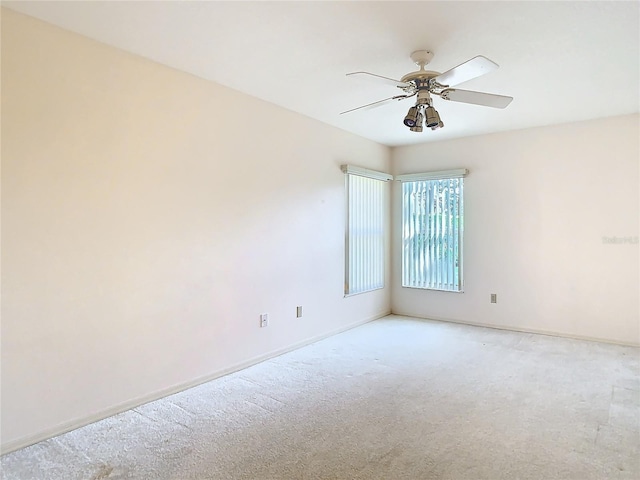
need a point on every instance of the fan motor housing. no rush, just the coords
(424, 75)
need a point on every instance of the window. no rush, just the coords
(365, 249)
(432, 230)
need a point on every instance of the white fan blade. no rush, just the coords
(473, 68)
(476, 98)
(379, 103)
(380, 78)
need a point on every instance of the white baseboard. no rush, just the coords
(136, 402)
(521, 330)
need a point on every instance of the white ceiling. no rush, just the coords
(561, 61)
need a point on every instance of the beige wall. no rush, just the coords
(148, 218)
(538, 203)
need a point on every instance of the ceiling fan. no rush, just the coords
(424, 83)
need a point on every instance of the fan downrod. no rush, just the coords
(421, 57)
(420, 77)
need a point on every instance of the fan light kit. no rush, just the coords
(424, 83)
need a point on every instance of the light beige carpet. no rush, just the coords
(395, 399)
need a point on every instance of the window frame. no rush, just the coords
(353, 171)
(430, 253)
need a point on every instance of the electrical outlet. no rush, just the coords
(299, 311)
(264, 320)
(494, 298)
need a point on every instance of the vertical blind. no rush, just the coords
(365, 233)
(432, 232)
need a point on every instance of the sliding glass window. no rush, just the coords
(432, 230)
(365, 230)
